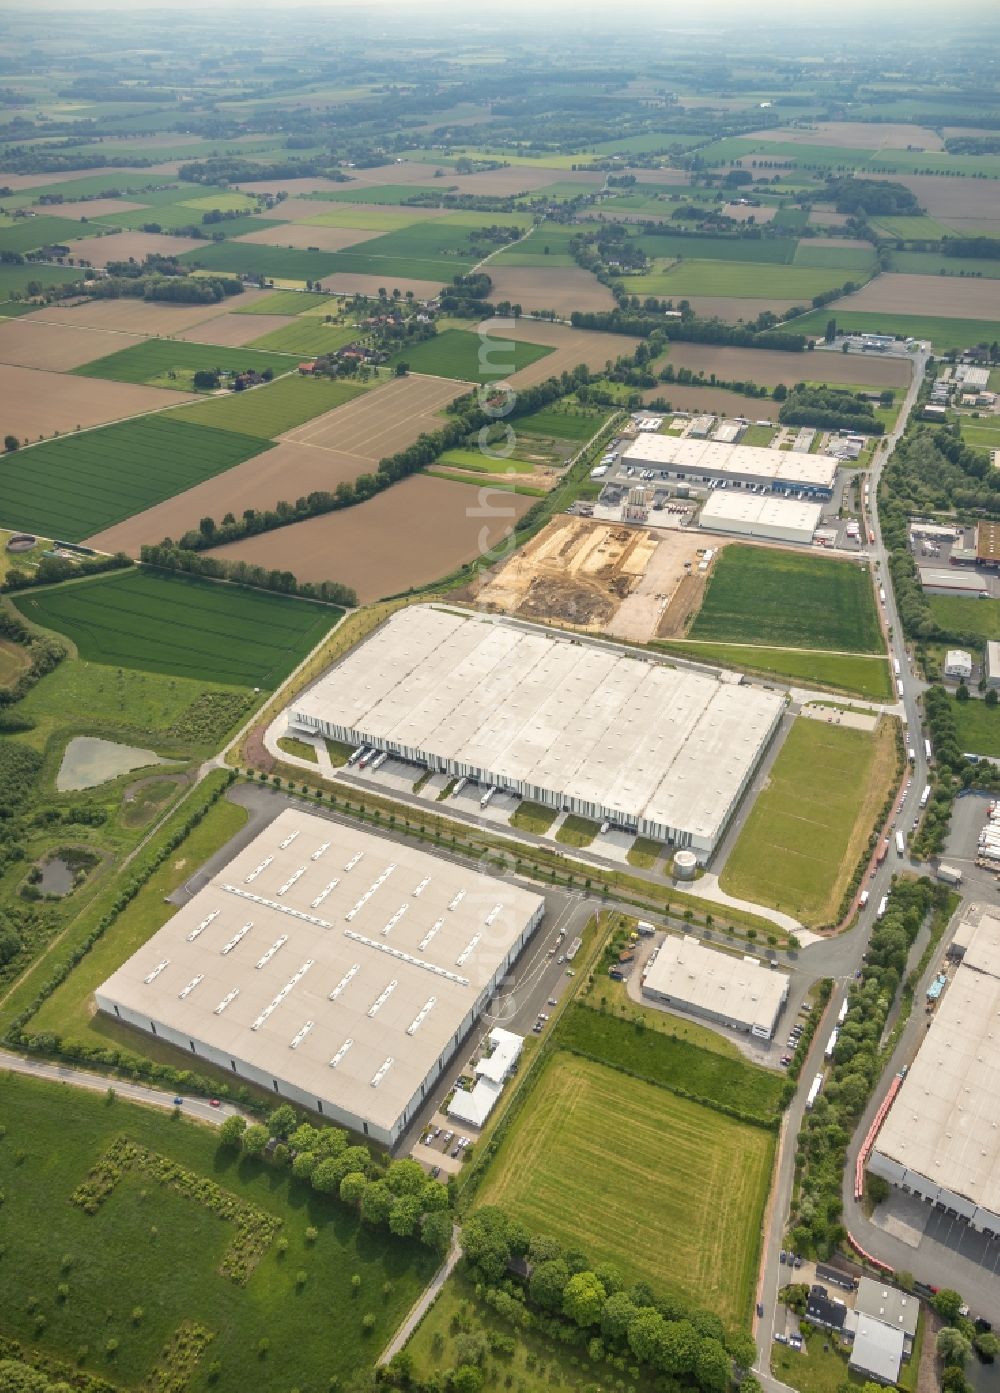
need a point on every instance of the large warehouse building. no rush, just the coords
(334, 968)
(941, 1139)
(657, 750)
(736, 992)
(761, 515)
(700, 462)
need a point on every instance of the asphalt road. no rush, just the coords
(840, 957)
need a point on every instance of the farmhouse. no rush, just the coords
(736, 992)
(579, 726)
(941, 1139)
(757, 515)
(700, 462)
(329, 966)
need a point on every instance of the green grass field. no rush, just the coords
(268, 411)
(308, 337)
(982, 434)
(15, 279)
(592, 1142)
(152, 1248)
(533, 817)
(289, 302)
(575, 423)
(739, 279)
(277, 263)
(430, 250)
(846, 259)
(966, 615)
(936, 263)
(919, 228)
(367, 219)
(224, 202)
(809, 825)
(160, 622)
(978, 727)
(28, 234)
(173, 363)
(944, 333)
(773, 250)
(847, 672)
(79, 485)
(373, 193)
(756, 594)
(545, 246)
(482, 464)
(460, 354)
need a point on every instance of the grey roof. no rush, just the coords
(339, 961)
(741, 989)
(826, 1312)
(878, 1349)
(887, 1304)
(718, 457)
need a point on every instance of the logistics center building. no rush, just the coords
(762, 516)
(703, 463)
(941, 1139)
(334, 968)
(581, 726)
(738, 992)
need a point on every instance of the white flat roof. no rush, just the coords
(717, 457)
(543, 710)
(945, 1122)
(740, 989)
(877, 1349)
(760, 510)
(379, 949)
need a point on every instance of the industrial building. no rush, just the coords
(877, 1351)
(951, 581)
(474, 1105)
(887, 1304)
(738, 992)
(576, 725)
(334, 968)
(988, 543)
(701, 463)
(761, 515)
(941, 1138)
(958, 663)
(991, 669)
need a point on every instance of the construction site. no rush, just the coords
(601, 577)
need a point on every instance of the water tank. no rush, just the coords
(685, 865)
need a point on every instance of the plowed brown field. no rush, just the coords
(768, 368)
(410, 535)
(38, 403)
(559, 288)
(56, 347)
(952, 296)
(572, 346)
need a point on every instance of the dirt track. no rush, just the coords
(384, 420)
(411, 534)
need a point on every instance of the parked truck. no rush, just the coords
(813, 1093)
(883, 905)
(900, 843)
(951, 875)
(882, 852)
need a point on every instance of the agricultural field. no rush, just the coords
(120, 246)
(15, 278)
(920, 228)
(945, 332)
(37, 404)
(810, 825)
(28, 234)
(117, 1262)
(289, 302)
(737, 279)
(30, 343)
(159, 622)
(387, 418)
(748, 601)
(545, 246)
(74, 487)
(564, 421)
(856, 673)
(433, 527)
(695, 247)
(978, 727)
(572, 347)
(710, 1175)
(937, 264)
(469, 357)
(247, 258)
(430, 250)
(768, 367)
(954, 296)
(173, 363)
(267, 412)
(307, 337)
(556, 289)
(836, 254)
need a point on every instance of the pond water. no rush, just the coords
(57, 877)
(89, 761)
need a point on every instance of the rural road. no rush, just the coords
(196, 1108)
(841, 957)
(424, 1301)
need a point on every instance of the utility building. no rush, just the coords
(941, 1139)
(581, 726)
(334, 968)
(736, 992)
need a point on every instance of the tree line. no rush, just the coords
(688, 329)
(170, 557)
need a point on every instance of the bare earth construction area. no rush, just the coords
(596, 576)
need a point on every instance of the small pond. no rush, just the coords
(89, 761)
(57, 877)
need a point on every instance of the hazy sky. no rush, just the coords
(795, 12)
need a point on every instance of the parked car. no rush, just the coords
(178, 1102)
(214, 1103)
(760, 1310)
(782, 1256)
